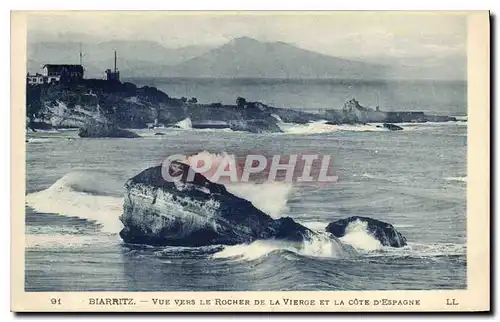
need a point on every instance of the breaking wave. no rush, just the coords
(86, 195)
(185, 124)
(319, 245)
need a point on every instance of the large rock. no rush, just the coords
(382, 231)
(196, 213)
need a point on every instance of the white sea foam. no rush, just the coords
(402, 225)
(185, 124)
(459, 179)
(315, 225)
(357, 236)
(77, 194)
(254, 250)
(461, 118)
(378, 177)
(38, 140)
(49, 131)
(420, 250)
(321, 127)
(69, 241)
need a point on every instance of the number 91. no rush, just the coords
(55, 301)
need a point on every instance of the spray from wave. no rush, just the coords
(269, 196)
(358, 236)
(185, 124)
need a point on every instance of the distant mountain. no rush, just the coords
(247, 57)
(240, 58)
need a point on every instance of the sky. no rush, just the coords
(344, 34)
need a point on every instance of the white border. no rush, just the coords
(184, 5)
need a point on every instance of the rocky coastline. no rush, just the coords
(122, 105)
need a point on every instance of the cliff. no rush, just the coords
(124, 105)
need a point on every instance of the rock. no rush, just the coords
(440, 118)
(256, 126)
(382, 231)
(37, 125)
(392, 127)
(95, 129)
(196, 213)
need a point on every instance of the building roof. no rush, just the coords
(64, 66)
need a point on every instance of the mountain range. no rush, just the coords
(239, 58)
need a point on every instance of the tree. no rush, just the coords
(193, 100)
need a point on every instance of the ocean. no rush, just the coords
(414, 179)
(433, 97)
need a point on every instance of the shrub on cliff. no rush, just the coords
(240, 102)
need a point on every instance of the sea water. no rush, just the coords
(414, 179)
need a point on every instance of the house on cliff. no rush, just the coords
(64, 73)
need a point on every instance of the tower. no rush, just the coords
(113, 75)
(81, 55)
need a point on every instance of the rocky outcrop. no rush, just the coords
(195, 213)
(256, 126)
(382, 231)
(439, 118)
(95, 129)
(392, 127)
